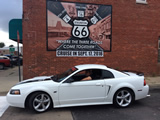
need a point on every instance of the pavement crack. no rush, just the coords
(11, 73)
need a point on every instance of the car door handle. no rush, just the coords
(98, 84)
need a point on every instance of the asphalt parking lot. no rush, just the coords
(145, 109)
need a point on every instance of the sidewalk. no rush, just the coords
(3, 105)
(8, 78)
(153, 81)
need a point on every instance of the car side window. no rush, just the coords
(80, 76)
(76, 77)
(107, 74)
(86, 75)
(96, 74)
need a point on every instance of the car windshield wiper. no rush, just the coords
(54, 78)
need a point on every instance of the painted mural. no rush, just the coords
(78, 29)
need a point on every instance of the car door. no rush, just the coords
(82, 92)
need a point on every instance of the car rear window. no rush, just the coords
(107, 74)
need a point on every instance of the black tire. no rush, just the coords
(123, 98)
(40, 102)
(1, 66)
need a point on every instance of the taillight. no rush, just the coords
(144, 82)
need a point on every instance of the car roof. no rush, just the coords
(90, 66)
(4, 56)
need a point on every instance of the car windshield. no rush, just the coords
(60, 77)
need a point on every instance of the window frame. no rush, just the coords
(67, 81)
(158, 50)
(141, 1)
(159, 44)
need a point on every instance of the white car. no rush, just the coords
(102, 85)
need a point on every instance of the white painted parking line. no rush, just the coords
(3, 105)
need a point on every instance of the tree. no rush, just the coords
(2, 44)
(11, 46)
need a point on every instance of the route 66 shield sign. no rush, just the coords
(80, 29)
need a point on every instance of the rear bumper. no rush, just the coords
(142, 93)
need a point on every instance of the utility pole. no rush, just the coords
(18, 56)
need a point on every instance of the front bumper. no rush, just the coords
(15, 100)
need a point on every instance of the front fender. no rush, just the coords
(49, 89)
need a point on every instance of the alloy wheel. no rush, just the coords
(123, 98)
(41, 102)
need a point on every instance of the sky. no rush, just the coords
(9, 9)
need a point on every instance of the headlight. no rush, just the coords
(15, 92)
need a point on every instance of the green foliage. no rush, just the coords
(2, 44)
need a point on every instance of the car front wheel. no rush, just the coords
(40, 102)
(123, 98)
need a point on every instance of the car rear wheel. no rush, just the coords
(123, 98)
(1, 66)
(40, 102)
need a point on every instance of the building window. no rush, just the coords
(159, 50)
(141, 1)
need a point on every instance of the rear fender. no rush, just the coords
(118, 87)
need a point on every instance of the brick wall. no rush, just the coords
(135, 33)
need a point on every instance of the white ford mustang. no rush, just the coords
(81, 85)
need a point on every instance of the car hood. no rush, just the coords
(36, 79)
